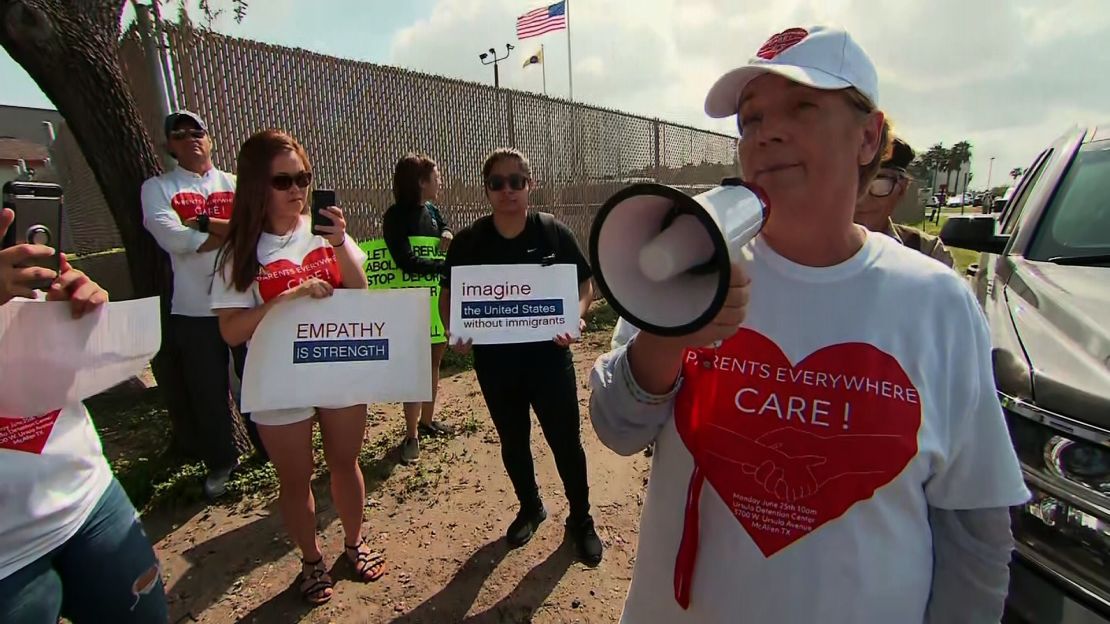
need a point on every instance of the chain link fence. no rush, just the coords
(356, 119)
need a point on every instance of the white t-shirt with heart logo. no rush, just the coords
(794, 469)
(52, 474)
(171, 199)
(284, 262)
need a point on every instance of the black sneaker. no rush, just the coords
(586, 541)
(524, 526)
(435, 428)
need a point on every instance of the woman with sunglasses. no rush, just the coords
(415, 186)
(875, 207)
(271, 256)
(540, 375)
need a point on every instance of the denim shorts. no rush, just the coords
(106, 572)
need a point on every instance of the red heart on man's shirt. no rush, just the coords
(281, 275)
(27, 434)
(791, 447)
(189, 204)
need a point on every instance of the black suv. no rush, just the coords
(1043, 281)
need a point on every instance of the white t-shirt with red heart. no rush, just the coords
(853, 398)
(171, 199)
(284, 261)
(52, 474)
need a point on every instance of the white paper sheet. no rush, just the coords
(353, 347)
(49, 360)
(499, 304)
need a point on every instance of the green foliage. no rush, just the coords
(453, 363)
(602, 317)
(963, 257)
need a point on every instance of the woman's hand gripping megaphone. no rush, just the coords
(656, 360)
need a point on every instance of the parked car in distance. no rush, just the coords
(1043, 281)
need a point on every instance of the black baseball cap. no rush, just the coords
(173, 118)
(901, 155)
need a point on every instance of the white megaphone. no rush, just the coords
(662, 258)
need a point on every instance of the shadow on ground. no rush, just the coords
(454, 601)
(216, 564)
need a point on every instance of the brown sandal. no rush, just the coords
(369, 565)
(316, 586)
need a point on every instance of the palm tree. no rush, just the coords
(934, 159)
(1016, 172)
(957, 156)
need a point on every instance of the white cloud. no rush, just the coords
(1008, 77)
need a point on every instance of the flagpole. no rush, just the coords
(570, 72)
(543, 66)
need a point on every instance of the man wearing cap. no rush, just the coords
(829, 447)
(875, 207)
(187, 210)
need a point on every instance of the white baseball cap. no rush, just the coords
(821, 57)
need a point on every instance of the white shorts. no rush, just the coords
(283, 416)
(287, 416)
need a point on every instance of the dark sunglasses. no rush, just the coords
(195, 133)
(516, 182)
(284, 181)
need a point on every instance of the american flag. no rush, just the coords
(542, 20)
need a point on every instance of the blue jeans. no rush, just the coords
(106, 572)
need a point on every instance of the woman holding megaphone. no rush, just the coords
(272, 255)
(828, 447)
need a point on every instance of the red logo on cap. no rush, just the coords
(781, 42)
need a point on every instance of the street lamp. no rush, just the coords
(484, 55)
(989, 170)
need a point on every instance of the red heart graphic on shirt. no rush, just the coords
(791, 447)
(281, 275)
(27, 434)
(781, 42)
(189, 205)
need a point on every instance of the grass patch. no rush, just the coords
(453, 363)
(602, 317)
(963, 257)
(135, 432)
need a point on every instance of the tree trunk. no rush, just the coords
(70, 49)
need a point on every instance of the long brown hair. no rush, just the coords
(409, 172)
(252, 193)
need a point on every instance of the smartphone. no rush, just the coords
(321, 198)
(38, 219)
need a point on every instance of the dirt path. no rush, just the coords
(441, 525)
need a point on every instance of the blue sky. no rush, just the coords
(1007, 76)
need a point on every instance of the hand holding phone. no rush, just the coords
(32, 234)
(327, 218)
(321, 198)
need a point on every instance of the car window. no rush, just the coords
(1021, 192)
(1077, 221)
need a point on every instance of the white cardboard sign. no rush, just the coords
(356, 346)
(49, 360)
(502, 304)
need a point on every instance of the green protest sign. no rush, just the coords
(382, 273)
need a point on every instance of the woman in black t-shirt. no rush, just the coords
(537, 375)
(416, 184)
